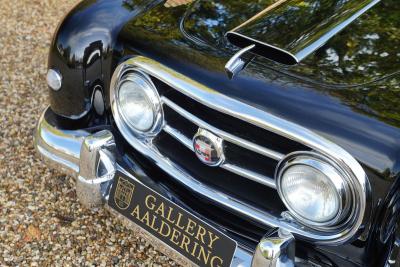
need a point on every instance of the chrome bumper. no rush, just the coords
(90, 158)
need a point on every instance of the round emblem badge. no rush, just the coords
(208, 148)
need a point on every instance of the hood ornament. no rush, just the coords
(238, 62)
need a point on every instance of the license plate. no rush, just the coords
(195, 239)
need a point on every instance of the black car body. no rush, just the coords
(341, 103)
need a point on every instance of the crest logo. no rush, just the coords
(208, 147)
(123, 193)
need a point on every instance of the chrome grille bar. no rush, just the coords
(178, 136)
(255, 177)
(224, 135)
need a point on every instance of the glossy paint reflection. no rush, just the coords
(338, 92)
(290, 30)
(82, 51)
(364, 51)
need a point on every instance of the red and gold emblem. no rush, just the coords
(208, 147)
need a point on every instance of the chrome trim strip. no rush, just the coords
(224, 135)
(255, 177)
(178, 136)
(339, 27)
(262, 119)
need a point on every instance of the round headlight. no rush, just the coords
(138, 102)
(313, 190)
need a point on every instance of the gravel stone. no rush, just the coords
(41, 222)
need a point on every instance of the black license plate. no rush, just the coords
(179, 229)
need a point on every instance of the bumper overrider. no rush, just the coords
(91, 159)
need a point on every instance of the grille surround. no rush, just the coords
(258, 118)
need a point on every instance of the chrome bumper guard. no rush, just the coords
(90, 158)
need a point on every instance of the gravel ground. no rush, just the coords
(41, 222)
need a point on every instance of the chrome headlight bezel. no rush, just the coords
(122, 76)
(335, 174)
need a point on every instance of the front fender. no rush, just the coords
(85, 50)
(385, 228)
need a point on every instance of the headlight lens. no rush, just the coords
(138, 102)
(310, 193)
(313, 191)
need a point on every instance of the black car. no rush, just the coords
(234, 133)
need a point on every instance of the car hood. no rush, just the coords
(365, 51)
(335, 93)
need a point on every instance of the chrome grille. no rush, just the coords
(261, 122)
(242, 171)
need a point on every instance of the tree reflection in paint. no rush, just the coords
(368, 48)
(365, 51)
